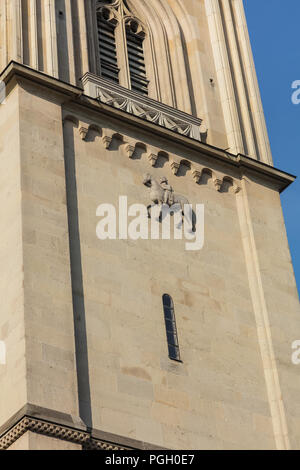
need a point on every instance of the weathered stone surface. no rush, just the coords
(82, 319)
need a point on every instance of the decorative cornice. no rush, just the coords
(73, 98)
(221, 181)
(112, 94)
(68, 428)
(56, 431)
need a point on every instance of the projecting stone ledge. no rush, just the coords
(141, 106)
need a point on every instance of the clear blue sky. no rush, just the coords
(275, 36)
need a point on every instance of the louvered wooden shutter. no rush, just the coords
(136, 60)
(107, 49)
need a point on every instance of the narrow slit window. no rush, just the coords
(136, 59)
(171, 329)
(107, 46)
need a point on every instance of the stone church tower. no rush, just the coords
(96, 95)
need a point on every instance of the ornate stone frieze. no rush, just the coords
(56, 431)
(143, 107)
(201, 175)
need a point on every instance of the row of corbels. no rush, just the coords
(200, 174)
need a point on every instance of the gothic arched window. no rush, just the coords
(121, 39)
(171, 329)
(106, 24)
(135, 36)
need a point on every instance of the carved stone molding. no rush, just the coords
(56, 431)
(152, 157)
(221, 183)
(108, 14)
(83, 131)
(107, 140)
(129, 149)
(135, 27)
(201, 175)
(141, 106)
(197, 175)
(175, 167)
(218, 184)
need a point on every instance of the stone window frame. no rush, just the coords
(171, 328)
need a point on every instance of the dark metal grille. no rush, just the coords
(107, 49)
(171, 329)
(136, 60)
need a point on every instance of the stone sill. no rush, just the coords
(112, 94)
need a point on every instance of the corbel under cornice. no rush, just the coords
(74, 96)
